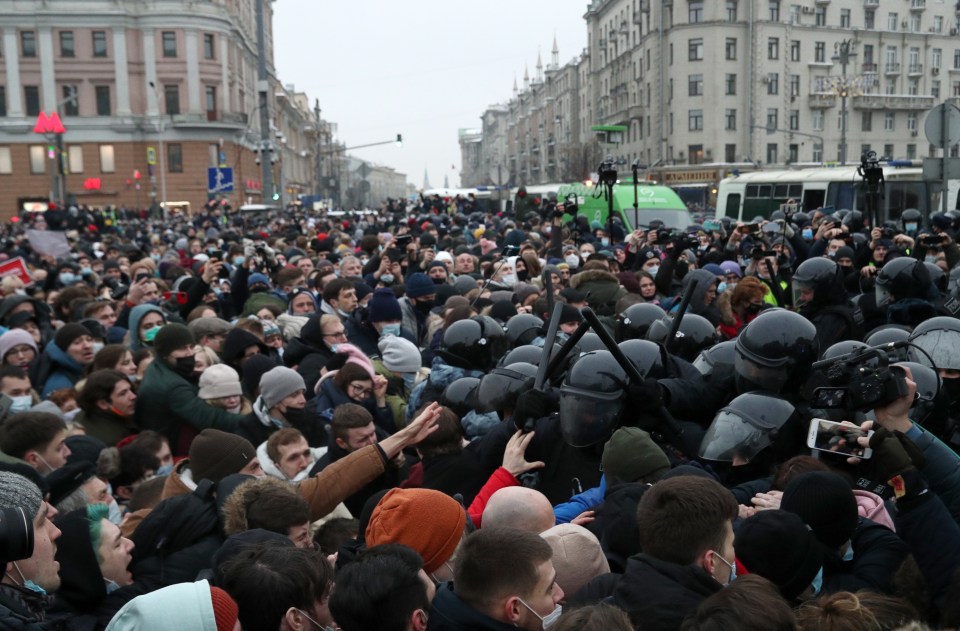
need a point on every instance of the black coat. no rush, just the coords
(877, 555)
(615, 523)
(257, 433)
(659, 595)
(308, 360)
(387, 480)
(461, 473)
(20, 611)
(449, 613)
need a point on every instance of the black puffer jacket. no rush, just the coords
(308, 354)
(23, 610)
(659, 595)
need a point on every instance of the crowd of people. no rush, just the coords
(433, 417)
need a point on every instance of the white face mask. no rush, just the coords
(548, 620)
(653, 270)
(21, 404)
(572, 260)
(509, 280)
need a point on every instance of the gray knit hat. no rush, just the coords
(17, 491)
(399, 354)
(219, 381)
(278, 383)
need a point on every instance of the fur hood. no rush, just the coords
(726, 309)
(593, 275)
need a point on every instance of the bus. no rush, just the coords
(758, 194)
(654, 201)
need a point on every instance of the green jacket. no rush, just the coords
(168, 403)
(107, 426)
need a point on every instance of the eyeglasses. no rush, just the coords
(21, 350)
(360, 391)
(340, 335)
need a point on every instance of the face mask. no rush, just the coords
(185, 365)
(807, 234)
(545, 621)
(848, 555)
(653, 270)
(97, 346)
(296, 416)
(731, 286)
(85, 271)
(151, 335)
(155, 257)
(604, 242)
(238, 260)
(21, 404)
(390, 329)
(334, 347)
(572, 260)
(112, 586)
(66, 278)
(166, 469)
(752, 308)
(722, 287)
(817, 583)
(133, 378)
(114, 514)
(509, 280)
(410, 380)
(424, 306)
(732, 566)
(930, 259)
(387, 279)
(910, 227)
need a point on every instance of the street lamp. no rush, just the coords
(842, 54)
(162, 157)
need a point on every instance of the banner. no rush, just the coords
(49, 243)
(15, 267)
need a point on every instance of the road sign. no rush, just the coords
(219, 180)
(498, 175)
(151, 155)
(933, 125)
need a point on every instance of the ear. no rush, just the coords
(291, 620)
(123, 492)
(342, 444)
(32, 458)
(418, 620)
(707, 561)
(512, 610)
(103, 405)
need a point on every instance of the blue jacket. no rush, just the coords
(942, 470)
(442, 375)
(66, 370)
(580, 502)
(330, 396)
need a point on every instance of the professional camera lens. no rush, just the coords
(16, 535)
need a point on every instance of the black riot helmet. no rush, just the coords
(695, 334)
(717, 359)
(818, 281)
(953, 284)
(938, 340)
(523, 328)
(775, 349)
(745, 427)
(500, 387)
(527, 353)
(461, 395)
(633, 322)
(646, 356)
(844, 347)
(902, 278)
(589, 342)
(910, 220)
(474, 344)
(853, 220)
(591, 399)
(926, 378)
(887, 333)
(937, 276)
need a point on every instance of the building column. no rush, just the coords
(150, 72)
(47, 77)
(120, 71)
(194, 105)
(11, 58)
(226, 99)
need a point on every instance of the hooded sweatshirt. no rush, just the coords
(136, 315)
(272, 469)
(180, 606)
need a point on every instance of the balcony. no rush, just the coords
(869, 67)
(821, 3)
(893, 102)
(891, 68)
(208, 119)
(821, 100)
(915, 69)
(871, 4)
(918, 5)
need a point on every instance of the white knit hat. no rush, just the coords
(219, 381)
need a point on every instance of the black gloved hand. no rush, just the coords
(895, 454)
(644, 397)
(532, 405)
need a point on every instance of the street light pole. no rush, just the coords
(262, 90)
(161, 158)
(843, 55)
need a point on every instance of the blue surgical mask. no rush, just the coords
(410, 380)
(334, 347)
(111, 586)
(848, 555)
(722, 287)
(166, 469)
(97, 346)
(21, 404)
(67, 278)
(817, 583)
(807, 234)
(732, 566)
(930, 258)
(386, 279)
(114, 515)
(155, 257)
(910, 227)
(390, 329)
(604, 241)
(653, 270)
(548, 620)
(238, 260)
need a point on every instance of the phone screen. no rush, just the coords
(837, 438)
(829, 398)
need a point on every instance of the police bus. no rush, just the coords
(751, 195)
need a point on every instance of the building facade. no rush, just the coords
(768, 82)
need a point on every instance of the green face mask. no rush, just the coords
(151, 335)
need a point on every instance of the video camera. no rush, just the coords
(16, 535)
(862, 380)
(680, 240)
(607, 172)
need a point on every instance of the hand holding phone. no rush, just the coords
(838, 438)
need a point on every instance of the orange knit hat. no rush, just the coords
(428, 521)
(225, 610)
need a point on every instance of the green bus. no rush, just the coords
(654, 201)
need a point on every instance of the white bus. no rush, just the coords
(760, 193)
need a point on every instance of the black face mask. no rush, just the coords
(952, 388)
(424, 306)
(522, 275)
(297, 416)
(184, 366)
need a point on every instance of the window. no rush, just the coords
(695, 154)
(31, 100)
(911, 152)
(820, 16)
(171, 99)
(817, 152)
(913, 86)
(730, 118)
(844, 18)
(70, 105)
(866, 121)
(891, 86)
(820, 52)
(99, 43)
(695, 85)
(869, 20)
(956, 58)
(773, 48)
(817, 120)
(914, 23)
(938, 24)
(771, 153)
(695, 120)
(67, 48)
(935, 88)
(731, 48)
(730, 153)
(107, 164)
(794, 121)
(794, 85)
(731, 10)
(772, 115)
(936, 57)
(3, 100)
(695, 11)
(211, 96)
(169, 39)
(695, 49)
(773, 83)
(795, 50)
(75, 157)
(103, 100)
(175, 158)
(892, 21)
(774, 9)
(38, 159)
(794, 14)
(731, 83)
(889, 122)
(887, 151)
(28, 44)
(6, 163)
(912, 121)
(793, 153)
(208, 51)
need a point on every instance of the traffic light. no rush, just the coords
(399, 140)
(51, 152)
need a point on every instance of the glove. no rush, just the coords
(249, 251)
(895, 454)
(646, 396)
(786, 227)
(532, 405)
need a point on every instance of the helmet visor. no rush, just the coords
(940, 346)
(770, 378)
(882, 296)
(703, 364)
(802, 294)
(498, 390)
(587, 418)
(731, 437)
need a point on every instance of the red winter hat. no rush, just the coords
(225, 610)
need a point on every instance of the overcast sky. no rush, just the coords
(423, 69)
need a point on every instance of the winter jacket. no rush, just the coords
(442, 375)
(389, 477)
(603, 289)
(570, 510)
(258, 426)
(342, 479)
(615, 523)
(449, 613)
(64, 371)
(658, 595)
(453, 473)
(136, 315)
(414, 321)
(942, 470)
(104, 424)
(701, 281)
(307, 359)
(184, 606)
(361, 333)
(330, 396)
(168, 403)
(24, 610)
(877, 555)
(272, 469)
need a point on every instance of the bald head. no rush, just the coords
(519, 507)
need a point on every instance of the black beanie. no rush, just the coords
(778, 546)
(68, 333)
(825, 502)
(171, 337)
